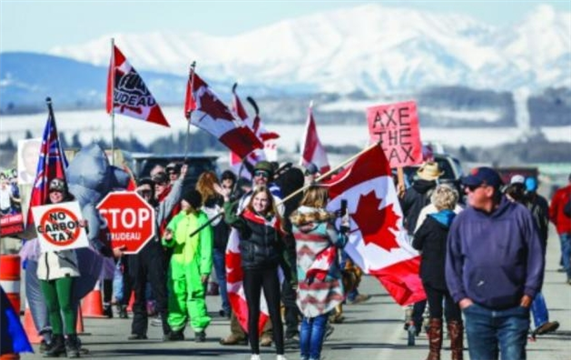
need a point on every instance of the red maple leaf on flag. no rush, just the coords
(374, 223)
(211, 105)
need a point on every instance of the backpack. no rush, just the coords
(567, 208)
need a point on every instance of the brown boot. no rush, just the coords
(434, 339)
(456, 331)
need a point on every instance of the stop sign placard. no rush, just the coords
(130, 220)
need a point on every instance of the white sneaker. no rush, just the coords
(255, 357)
(281, 357)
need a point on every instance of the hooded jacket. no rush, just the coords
(494, 259)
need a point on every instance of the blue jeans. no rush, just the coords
(539, 310)
(494, 332)
(118, 283)
(311, 336)
(566, 253)
(220, 267)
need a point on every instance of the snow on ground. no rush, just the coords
(96, 124)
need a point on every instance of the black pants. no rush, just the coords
(417, 312)
(254, 281)
(148, 266)
(127, 289)
(435, 297)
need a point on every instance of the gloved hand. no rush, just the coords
(106, 251)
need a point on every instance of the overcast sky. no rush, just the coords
(33, 25)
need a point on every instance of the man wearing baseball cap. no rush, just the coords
(494, 268)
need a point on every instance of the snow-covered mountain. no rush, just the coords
(369, 48)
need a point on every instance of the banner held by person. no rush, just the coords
(377, 242)
(60, 226)
(396, 127)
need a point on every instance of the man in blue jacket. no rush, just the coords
(494, 268)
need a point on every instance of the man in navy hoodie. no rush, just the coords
(494, 268)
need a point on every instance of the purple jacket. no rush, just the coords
(494, 259)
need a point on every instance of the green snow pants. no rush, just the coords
(186, 297)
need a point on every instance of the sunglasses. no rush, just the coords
(473, 187)
(262, 174)
(144, 192)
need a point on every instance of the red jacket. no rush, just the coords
(562, 222)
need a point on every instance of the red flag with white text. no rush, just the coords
(127, 93)
(312, 150)
(51, 164)
(378, 243)
(213, 116)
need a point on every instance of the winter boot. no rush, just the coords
(123, 312)
(456, 331)
(72, 346)
(434, 339)
(199, 336)
(57, 347)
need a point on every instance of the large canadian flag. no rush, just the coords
(378, 243)
(127, 93)
(213, 116)
(312, 150)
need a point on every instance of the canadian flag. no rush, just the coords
(377, 242)
(235, 285)
(127, 93)
(266, 137)
(312, 151)
(213, 116)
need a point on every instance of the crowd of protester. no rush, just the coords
(480, 261)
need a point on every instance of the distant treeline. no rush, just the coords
(200, 142)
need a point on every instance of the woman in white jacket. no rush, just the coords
(56, 272)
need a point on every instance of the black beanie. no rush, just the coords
(194, 198)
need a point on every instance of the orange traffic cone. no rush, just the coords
(30, 328)
(9, 357)
(92, 305)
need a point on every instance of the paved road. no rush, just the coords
(372, 330)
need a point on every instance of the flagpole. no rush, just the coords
(290, 196)
(112, 101)
(189, 114)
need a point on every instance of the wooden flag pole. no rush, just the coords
(112, 101)
(290, 196)
(401, 185)
(189, 114)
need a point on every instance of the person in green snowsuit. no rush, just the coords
(189, 268)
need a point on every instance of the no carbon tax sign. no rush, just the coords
(130, 220)
(59, 226)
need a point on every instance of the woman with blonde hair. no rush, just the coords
(430, 238)
(318, 291)
(261, 250)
